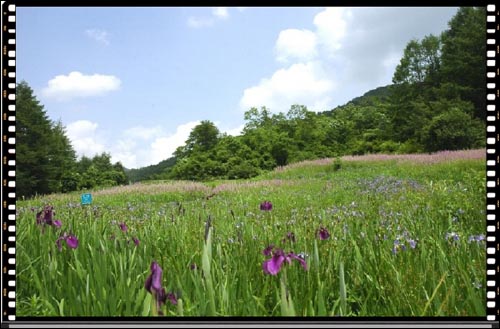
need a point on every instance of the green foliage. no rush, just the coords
(464, 57)
(453, 130)
(44, 155)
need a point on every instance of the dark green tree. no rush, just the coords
(34, 138)
(464, 56)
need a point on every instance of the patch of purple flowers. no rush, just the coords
(71, 241)
(477, 238)
(323, 233)
(153, 285)
(452, 236)
(46, 217)
(273, 266)
(266, 206)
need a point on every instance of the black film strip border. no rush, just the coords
(8, 161)
(493, 159)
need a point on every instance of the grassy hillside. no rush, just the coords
(405, 239)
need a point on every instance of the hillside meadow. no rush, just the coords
(375, 235)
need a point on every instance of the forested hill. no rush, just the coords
(373, 97)
(150, 172)
(164, 168)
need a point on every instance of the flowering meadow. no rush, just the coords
(337, 237)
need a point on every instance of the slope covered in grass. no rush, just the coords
(405, 239)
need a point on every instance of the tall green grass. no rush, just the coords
(364, 205)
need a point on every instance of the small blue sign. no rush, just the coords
(86, 198)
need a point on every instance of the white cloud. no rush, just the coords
(230, 131)
(331, 25)
(235, 131)
(301, 83)
(100, 36)
(84, 139)
(76, 84)
(295, 44)
(143, 133)
(359, 47)
(220, 12)
(164, 147)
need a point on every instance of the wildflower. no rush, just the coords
(123, 227)
(57, 223)
(153, 285)
(273, 266)
(71, 241)
(323, 233)
(136, 241)
(45, 216)
(476, 238)
(172, 298)
(452, 235)
(153, 282)
(413, 243)
(398, 246)
(266, 205)
(303, 255)
(267, 251)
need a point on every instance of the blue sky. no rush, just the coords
(134, 81)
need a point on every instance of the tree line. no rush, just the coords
(436, 102)
(45, 159)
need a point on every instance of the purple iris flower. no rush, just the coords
(273, 266)
(413, 243)
(267, 251)
(153, 285)
(323, 233)
(71, 241)
(153, 282)
(266, 205)
(136, 241)
(123, 227)
(172, 298)
(46, 216)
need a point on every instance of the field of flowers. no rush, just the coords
(377, 236)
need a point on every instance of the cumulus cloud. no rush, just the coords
(353, 50)
(163, 147)
(84, 139)
(331, 27)
(76, 84)
(143, 133)
(100, 36)
(295, 44)
(301, 83)
(235, 131)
